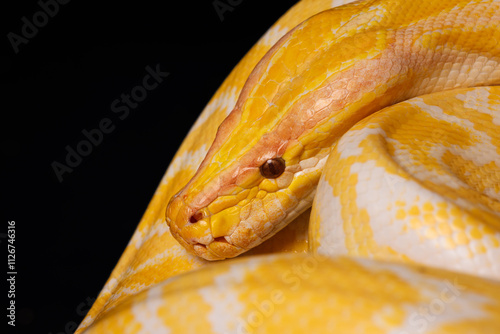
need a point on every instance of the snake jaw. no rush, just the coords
(224, 222)
(199, 237)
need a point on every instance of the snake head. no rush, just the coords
(233, 204)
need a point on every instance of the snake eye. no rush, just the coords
(272, 168)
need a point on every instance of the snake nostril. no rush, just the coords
(196, 217)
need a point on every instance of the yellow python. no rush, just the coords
(413, 187)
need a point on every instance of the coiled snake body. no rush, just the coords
(382, 115)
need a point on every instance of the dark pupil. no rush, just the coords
(273, 168)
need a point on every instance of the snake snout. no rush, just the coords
(186, 222)
(191, 228)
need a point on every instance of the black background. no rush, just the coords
(70, 235)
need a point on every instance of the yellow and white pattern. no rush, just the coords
(307, 294)
(416, 184)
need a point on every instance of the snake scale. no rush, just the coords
(352, 158)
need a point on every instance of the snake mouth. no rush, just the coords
(219, 240)
(218, 249)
